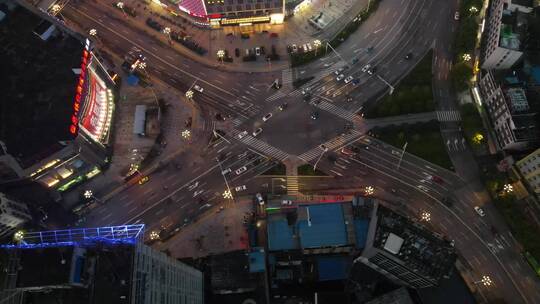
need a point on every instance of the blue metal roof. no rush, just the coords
(256, 260)
(280, 235)
(361, 229)
(333, 267)
(327, 227)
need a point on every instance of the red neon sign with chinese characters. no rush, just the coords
(73, 128)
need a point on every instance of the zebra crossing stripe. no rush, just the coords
(448, 116)
(292, 185)
(340, 112)
(264, 148)
(277, 95)
(331, 144)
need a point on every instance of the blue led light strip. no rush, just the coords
(127, 234)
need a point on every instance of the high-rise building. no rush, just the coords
(529, 169)
(13, 214)
(503, 34)
(404, 251)
(96, 265)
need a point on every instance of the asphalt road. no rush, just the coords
(173, 197)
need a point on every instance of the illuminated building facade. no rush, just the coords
(12, 215)
(236, 12)
(97, 266)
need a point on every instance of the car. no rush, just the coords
(242, 134)
(294, 48)
(258, 51)
(205, 206)
(338, 71)
(263, 50)
(197, 193)
(286, 202)
(314, 115)
(356, 81)
(240, 188)
(366, 67)
(480, 211)
(237, 52)
(305, 48)
(397, 153)
(309, 47)
(348, 79)
(323, 147)
(283, 106)
(143, 180)
(437, 179)
(260, 199)
(456, 16)
(393, 190)
(193, 186)
(340, 76)
(244, 36)
(228, 170)
(257, 132)
(423, 188)
(347, 151)
(198, 88)
(241, 170)
(267, 117)
(408, 56)
(274, 35)
(372, 70)
(355, 60)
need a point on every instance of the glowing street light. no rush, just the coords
(477, 138)
(425, 216)
(369, 190)
(88, 194)
(467, 57)
(167, 31)
(189, 94)
(55, 9)
(473, 10)
(154, 235)
(508, 188)
(186, 134)
(120, 5)
(486, 281)
(221, 55)
(317, 44)
(92, 32)
(227, 194)
(18, 236)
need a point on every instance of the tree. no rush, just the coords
(461, 73)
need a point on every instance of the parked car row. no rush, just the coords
(303, 48)
(179, 37)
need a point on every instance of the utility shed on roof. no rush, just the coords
(139, 124)
(323, 226)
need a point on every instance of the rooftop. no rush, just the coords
(413, 244)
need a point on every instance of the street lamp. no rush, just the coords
(120, 5)
(425, 216)
(317, 44)
(508, 188)
(92, 32)
(55, 9)
(467, 57)
(227, 194)
(167, 31)
(221, 55)
(154, 235)
(369, 190)
(18, 236)
(88, 194)
(473, 10)
(486, 281)
(186, 134)
(189, 94)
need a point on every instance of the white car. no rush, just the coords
(258, 51)
(228, 170)
(340, 76)
(286, 202)
(480, 211)
(240, 170)
(193, 186)
(348, 79)
(309, 47)
(337, 72)
(198, 88)
(456, 16)
(325, 148)
(366, 67)
(242, 134)
(423, 188)
(240, 188)
(260, 199)
(197, 193)
(257, 132)
(267, 116)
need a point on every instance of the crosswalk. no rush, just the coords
(292, 185)
(448, 116)
(286, 77)
(277, 95)
(262, 146)
(340, 112)
(331, 145)
(236, 122)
